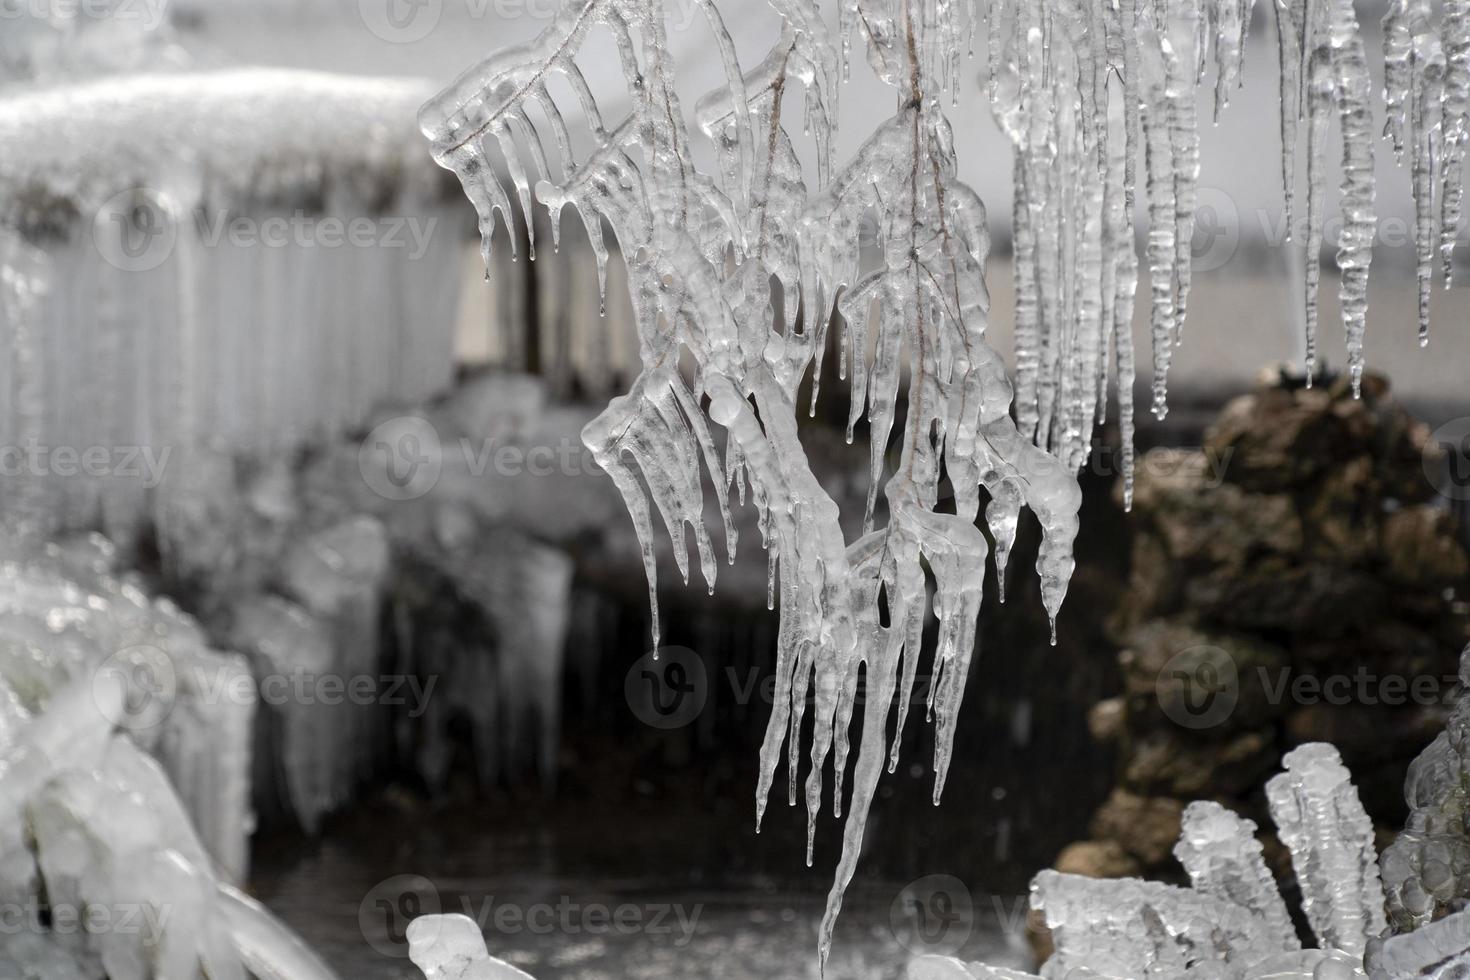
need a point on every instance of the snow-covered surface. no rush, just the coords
(251, 130)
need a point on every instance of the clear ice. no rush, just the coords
(1231, 922)
(745, 248)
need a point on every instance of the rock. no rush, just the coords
(1162, 764)
(1196, 682)
(1371, 725)
(1146, 827)
(1098, 859)
(1421, 548)
(1106, 719)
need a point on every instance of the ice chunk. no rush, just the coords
(1322, 821)
(1219, 851)
(450, 947)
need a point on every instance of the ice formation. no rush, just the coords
(124, 783)
(1426, 871)
(199, 220)
(737, 272)
(450, 947)
(1231, 922)
(746, 270)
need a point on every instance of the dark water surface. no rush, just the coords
(574, 905)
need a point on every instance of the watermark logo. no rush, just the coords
(137, 230)
(934, 915)
(1216, 229)
(400, 21)
(1447, 459)
(387, 909)
(402, 458)
(134, 230)
(1198, 687)
(148, 683)
(667, 688)
(149, 14)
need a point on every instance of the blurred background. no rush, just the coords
(257, 383)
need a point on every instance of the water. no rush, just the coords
(568, 904)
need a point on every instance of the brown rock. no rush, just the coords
(1161, 764)
(1421, 548)
(1147, 827)
(1098, 859)
(1195, 682)
(1038, 936)
(1377, 724)
(1106, 719)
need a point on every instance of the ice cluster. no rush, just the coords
(200, 222)
(125, 751)
(1426, 871)
(1232, 923)
(746, 245)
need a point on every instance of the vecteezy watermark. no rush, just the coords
(138, 229)
(150, 681)
(409, 21)
(1447, 459)
(140, 919)
(145, 464)
(671, 687)
(1221, 225)
(385, 913)
(149, 14)
(387, 909)
(934, 915)
(404, 457)
(567, 916)
(667, 688)
(136, 687)
(1198, 687)
(1362, 686)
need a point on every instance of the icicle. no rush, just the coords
(1355, 241)
(1456, 34)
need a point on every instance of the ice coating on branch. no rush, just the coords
(711, 258)
(1323, 824)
